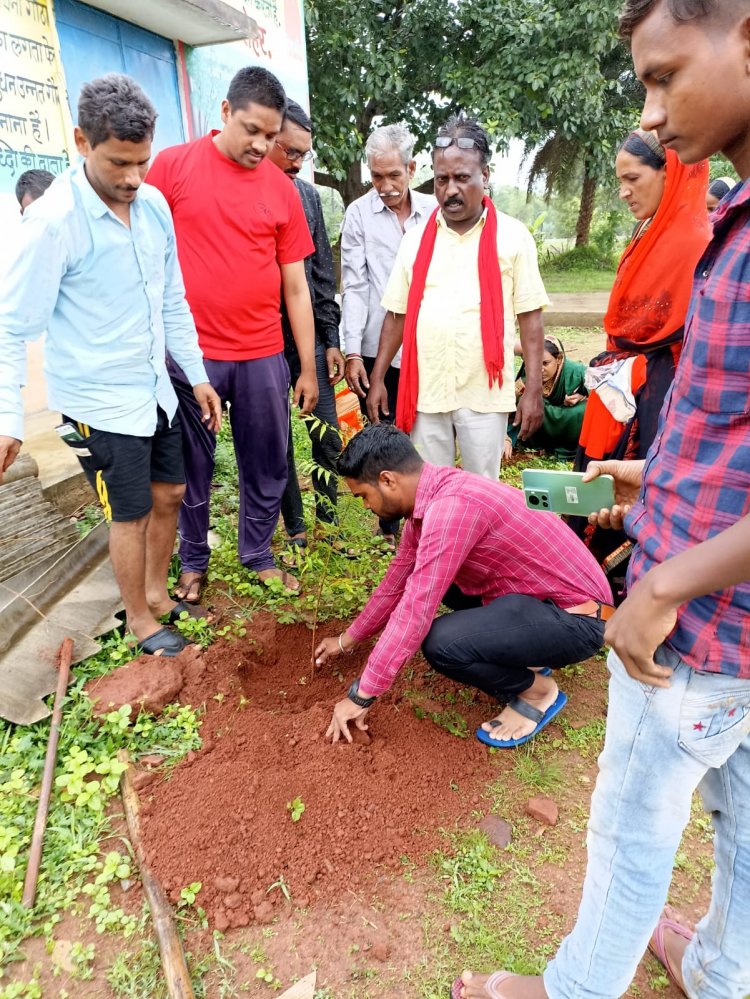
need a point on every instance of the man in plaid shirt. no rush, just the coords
(526, 592)
(679, 708)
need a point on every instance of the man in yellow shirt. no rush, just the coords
(444, 299)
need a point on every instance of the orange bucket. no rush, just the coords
(348, 412)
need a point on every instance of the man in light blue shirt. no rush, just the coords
(96, 266)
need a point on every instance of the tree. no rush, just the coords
(373, 59)
(569, 80)
(534, 69)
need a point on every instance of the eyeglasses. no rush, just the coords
(295, 154)
(443, 141)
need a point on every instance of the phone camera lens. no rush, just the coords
(534, 500)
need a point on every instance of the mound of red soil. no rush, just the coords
(222, 817)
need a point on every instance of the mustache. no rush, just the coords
(453, 203)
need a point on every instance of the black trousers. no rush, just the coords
(326, 447)
(391, 387)
(491, 647)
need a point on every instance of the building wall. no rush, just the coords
(279, 45)
(36, 128)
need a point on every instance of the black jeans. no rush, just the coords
(491, 647)
(326, 447)
(391, 387)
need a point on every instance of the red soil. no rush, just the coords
(222, 817)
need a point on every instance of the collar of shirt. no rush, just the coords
(425, 490)
(461, 235)
(732, 203)
(91, 200)
(378, 205)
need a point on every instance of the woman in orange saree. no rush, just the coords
(645, 319)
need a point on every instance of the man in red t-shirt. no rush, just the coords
(242, 239)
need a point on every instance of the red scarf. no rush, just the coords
(491, 311)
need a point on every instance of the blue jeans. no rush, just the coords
(660, 745)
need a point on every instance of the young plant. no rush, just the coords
(296, 808)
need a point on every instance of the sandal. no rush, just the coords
(542, 718)
(490, 985)
(193, 610)
(162, 643)
(186, 586)
(285, 578)
(387, 542)
(295, 545)
(657, 948)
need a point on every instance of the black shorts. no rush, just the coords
(121, 467)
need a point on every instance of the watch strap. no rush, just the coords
(355, 696)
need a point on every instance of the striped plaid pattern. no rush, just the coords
(479, 534)
(697, 477)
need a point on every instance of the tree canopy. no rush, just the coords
(537, 70)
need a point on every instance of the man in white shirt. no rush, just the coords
(370, 237)
(456, 314)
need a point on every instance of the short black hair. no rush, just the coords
(460, 126)
(256, 85)
(636, 11)
(648, 155)
(33, 182)
(115, 106)
(381, 447)
(298, 116)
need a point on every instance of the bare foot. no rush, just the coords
(509, 724)
(674, 951)
(511, 987)
(676, 916)
(189, 587)
(290, 582)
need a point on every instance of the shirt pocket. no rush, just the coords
(716, 377)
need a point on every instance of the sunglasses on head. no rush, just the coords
(443, 141)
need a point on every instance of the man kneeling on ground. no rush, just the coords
(524, 590)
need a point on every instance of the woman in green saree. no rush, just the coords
(564, 403)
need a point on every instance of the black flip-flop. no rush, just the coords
(163, 642)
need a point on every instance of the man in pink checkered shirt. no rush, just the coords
(524, 590)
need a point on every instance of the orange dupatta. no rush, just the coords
(654, 280)
(651, 292)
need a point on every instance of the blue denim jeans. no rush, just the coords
(662, 744)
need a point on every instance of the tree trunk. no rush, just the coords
(586, 211)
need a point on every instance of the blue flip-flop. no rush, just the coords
(528, 711)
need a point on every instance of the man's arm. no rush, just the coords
(323, 278)
(181, 338)
(649, 614)
(355, 285)
(299, 309)
(28, 294)
(449, 532)
(391, 338)
(530, 409)
(327, 311)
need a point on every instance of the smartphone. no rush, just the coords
(566, 492)
(68, 433)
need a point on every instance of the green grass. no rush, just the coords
(577, 282)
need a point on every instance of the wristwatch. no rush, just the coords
(354, 695)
